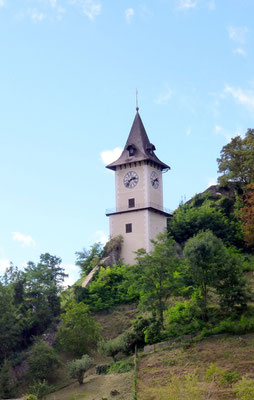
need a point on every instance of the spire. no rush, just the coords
(138, 146)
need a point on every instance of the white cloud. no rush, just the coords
(243, 97)
(108, 156)
(188, 132)
(187, 4)
(129, 14)
(2, 2)
(100, 236)
(90, 8)
(4, 263)
(165, 96)
(25, 240)
(36, 16)
(240, 51)
(238, 34)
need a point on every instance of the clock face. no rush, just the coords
(154, 180)
(130, 179)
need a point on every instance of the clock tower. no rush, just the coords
(139, 214)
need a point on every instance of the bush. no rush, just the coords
(231, 326)
(30, 397)
(42, 361)
(102, 369)
(184, 318)
(112, 347)
(77, 368)
(244, 389)
(40, 389)
(79, 331)
(221, 376)
(120, 367)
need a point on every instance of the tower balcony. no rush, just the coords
(144, 206)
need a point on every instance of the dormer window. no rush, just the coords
(150, 148)
(131, 149)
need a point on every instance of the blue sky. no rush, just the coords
(69, 72)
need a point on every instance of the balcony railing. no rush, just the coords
(138, 207)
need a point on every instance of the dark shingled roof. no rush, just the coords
(143, 148)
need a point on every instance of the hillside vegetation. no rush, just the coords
(196, 282)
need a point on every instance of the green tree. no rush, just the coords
(88, 259)
(42, 361)
(77, 368)
(78, 331)
(188, 221)
(10, 323)
(211, 265)
(155, 275)
(236, 162)
(43, 283)
(6, 380)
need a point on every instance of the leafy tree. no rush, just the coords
(6, 381)
(88, 259)
(188, 221)
(248, 215)
(78, 331)
(211, 265)
(77, 368)
(43, 283)
(236, 162)
(42, 361)
(155, 275)
(10, 323)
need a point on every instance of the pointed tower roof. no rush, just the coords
(138, 147)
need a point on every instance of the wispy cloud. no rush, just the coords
(4, 264)
(240, 51)
(90, 8)
(2, 3)
(188, 131)
(36, 16)
(243, 97)
(129, 12)
(164, 96)
(238, 34)
(187, 4)
(108, 156)
(25, 240)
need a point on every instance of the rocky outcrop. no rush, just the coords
(111, 255)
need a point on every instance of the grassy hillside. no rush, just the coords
(209, 369)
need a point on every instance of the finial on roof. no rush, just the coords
(137, 107)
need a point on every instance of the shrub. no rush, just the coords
(30, 397)
(111, 348)
(244, 389)
(42, 361)
(120, 367)
(40, 389)
(183, 318)
(102, 369)
(77, 368)
(221, 376)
